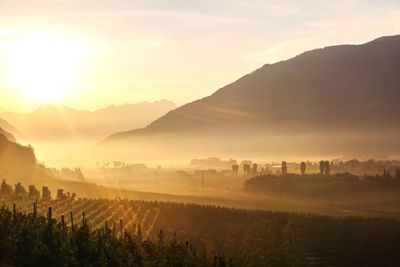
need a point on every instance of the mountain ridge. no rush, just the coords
(63, 122)
(343, 86)
(9, 130)
(8, 135)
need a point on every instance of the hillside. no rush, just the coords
(51, 122)
(334, 99)
(9, 130)
(7, 134)
(19, 163)
(346, 86)
(16, 160)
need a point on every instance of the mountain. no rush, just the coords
(7, 128)
(334, 92)
(18, 163)
(347, 86)
(15, 160)
(7, 134)
(52, 122)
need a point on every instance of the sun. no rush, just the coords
(44, 67)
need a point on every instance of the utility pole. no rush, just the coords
(202, 181)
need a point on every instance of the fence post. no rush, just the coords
(120, 228)
(14, 211)
(34, 211)
(62, 222)
(160, 237)
(49, 215)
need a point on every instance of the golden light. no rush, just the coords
(44, 67)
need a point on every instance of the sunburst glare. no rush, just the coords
(44, 67)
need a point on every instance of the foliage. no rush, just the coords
(303, 167)
(120, 232)
(284, 168)
(33, 192)
(29, 241)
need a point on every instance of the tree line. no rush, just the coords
(323, 167)
(19, 192)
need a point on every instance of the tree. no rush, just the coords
(397, 172)
(246, 165)
(254, 168)
(235, 169)
(60, 194)
(79, 174)
(327, 167)
(33, 192)
(19, 190)
(303, 167)
(46, 194)
(5, 189)
(246, 168)
(322, 167)
(284, 167)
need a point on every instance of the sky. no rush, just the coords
(89, 54)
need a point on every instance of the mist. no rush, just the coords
(294, 164)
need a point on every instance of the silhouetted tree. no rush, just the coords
(322, 167)
(117, 164)
(254, 168)
(46, 194)
(397, 172)
(33, 192)
(60, 194)
(327, 167)
(246, 168)
(79, 174)
(235, 169)
(303, 167)
(19, 190)
(5, 189)
(284, 168)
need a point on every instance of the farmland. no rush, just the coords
(242, 237)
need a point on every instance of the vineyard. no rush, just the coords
(243, 238)
(348, 242)
(32, 240)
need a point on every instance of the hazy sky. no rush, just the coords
(88, 54)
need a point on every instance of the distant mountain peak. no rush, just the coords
(52, 121)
